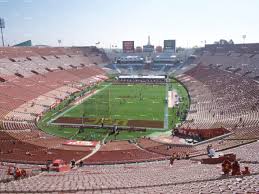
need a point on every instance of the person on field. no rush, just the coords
(102, 122)
(115, 127)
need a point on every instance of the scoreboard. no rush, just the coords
(128, 46)
(169, 45)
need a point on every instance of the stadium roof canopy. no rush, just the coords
(26, 43)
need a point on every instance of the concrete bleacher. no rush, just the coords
(247, 153)
(34, 147)
(32, 65)
(34, 80)
(240, 59)
(219, 98)
(165, 149)
(184, 176)
(122, 152)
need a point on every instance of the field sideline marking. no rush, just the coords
(62, 113)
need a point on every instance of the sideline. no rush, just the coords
(72, 107)
(166, 107)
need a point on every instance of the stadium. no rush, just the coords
(83, 119)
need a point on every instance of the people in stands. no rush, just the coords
(173, 133)
(48, 166)
(10, 170)
(176, 132)
(73, 163)
(246, 171)
(187, 156)
(172, 159)
(178, 157)
(211, 151)
(81, 163)
(28, 153)
(226, 166)
(236, 168)
(14, 171)
(208, 149)
(23, 173)
(17, 173)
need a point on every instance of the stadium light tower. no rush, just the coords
(244, 38)
(59, 42)
(2, 26)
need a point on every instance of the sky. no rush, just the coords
(85, 22)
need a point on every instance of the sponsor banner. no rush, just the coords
(81, 143)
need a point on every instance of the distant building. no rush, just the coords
(26, 43)
(138, 49)
(159, 49)
(166, 57)
(148, 48)
(241, 48)
(130, 59)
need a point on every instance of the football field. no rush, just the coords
(123, 103)
(127, 105)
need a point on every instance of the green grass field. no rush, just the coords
(124, 102)
(120, 102)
